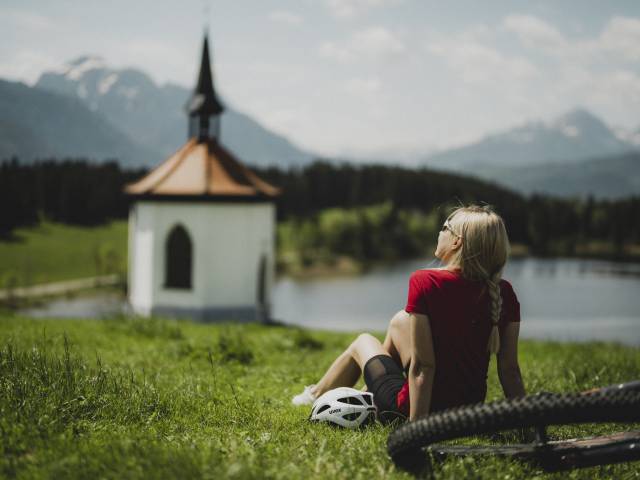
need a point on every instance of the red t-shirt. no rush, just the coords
(459, 317)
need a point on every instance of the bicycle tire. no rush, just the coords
(405, 444)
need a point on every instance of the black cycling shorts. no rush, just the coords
(384, 379)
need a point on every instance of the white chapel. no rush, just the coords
(202, 226)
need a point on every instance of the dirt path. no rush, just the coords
(59, 288)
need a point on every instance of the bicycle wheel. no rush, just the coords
(405, 444)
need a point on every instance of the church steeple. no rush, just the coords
(203, 107)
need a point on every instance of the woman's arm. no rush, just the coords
(508, 367)
(422, 366)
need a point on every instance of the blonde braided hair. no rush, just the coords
(496, 308)
(482, 256)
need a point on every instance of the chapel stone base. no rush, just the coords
(214, 314)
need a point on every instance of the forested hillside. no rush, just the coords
(82, 193)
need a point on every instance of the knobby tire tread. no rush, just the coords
(405, 444)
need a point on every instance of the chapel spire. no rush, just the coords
(203, 107)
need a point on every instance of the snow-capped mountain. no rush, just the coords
(89, 79)
(628, 135)
(573, 137)
(38, 124)
(573, 154)
(154, 115)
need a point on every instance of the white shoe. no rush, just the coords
(304, 398)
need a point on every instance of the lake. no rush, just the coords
(561, 299)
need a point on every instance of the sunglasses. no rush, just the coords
(447, 226)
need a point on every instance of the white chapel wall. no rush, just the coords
(228, 241)
(141, 258)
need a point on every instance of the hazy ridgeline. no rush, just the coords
(83, 193)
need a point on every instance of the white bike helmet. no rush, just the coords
(344, 406)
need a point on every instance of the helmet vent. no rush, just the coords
(322, 409)
(351, 416)
(350, 400)
(367, 398)
(370, 419)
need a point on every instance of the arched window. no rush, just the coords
(178, 259)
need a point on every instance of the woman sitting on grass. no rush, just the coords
(455, 317)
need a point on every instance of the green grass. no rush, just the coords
(53, 252)
(134, 398)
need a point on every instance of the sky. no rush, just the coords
(358, 77)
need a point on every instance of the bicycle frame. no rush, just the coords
(557, 455)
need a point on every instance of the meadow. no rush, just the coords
(154, 398)
(51, 252)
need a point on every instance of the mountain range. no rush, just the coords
(572, 137)
(573, 155)
(37, 124)
(88, 109)
(611, 177)
(152, 117)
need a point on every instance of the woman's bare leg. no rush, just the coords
(343, 372)
(397, 341)
(346, 369)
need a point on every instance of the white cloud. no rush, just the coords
(335, 52)
(619, 89)
(619, 38)
(363, 86)
(371, 43)
(351, 8)
(27, 65)
(614, 95)
(151, 55)
(25, 59)
(28, 20)
(286, 17)
(376, 41)
(534, 32)
(475, 63)
(621, 35)
(598, 72)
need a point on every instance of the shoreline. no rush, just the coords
(344, 266)
(341, 266)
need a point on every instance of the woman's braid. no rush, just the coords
(496, 306)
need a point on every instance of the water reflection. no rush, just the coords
(86, 306)
(562, 299)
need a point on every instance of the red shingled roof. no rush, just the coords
(202, 169)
